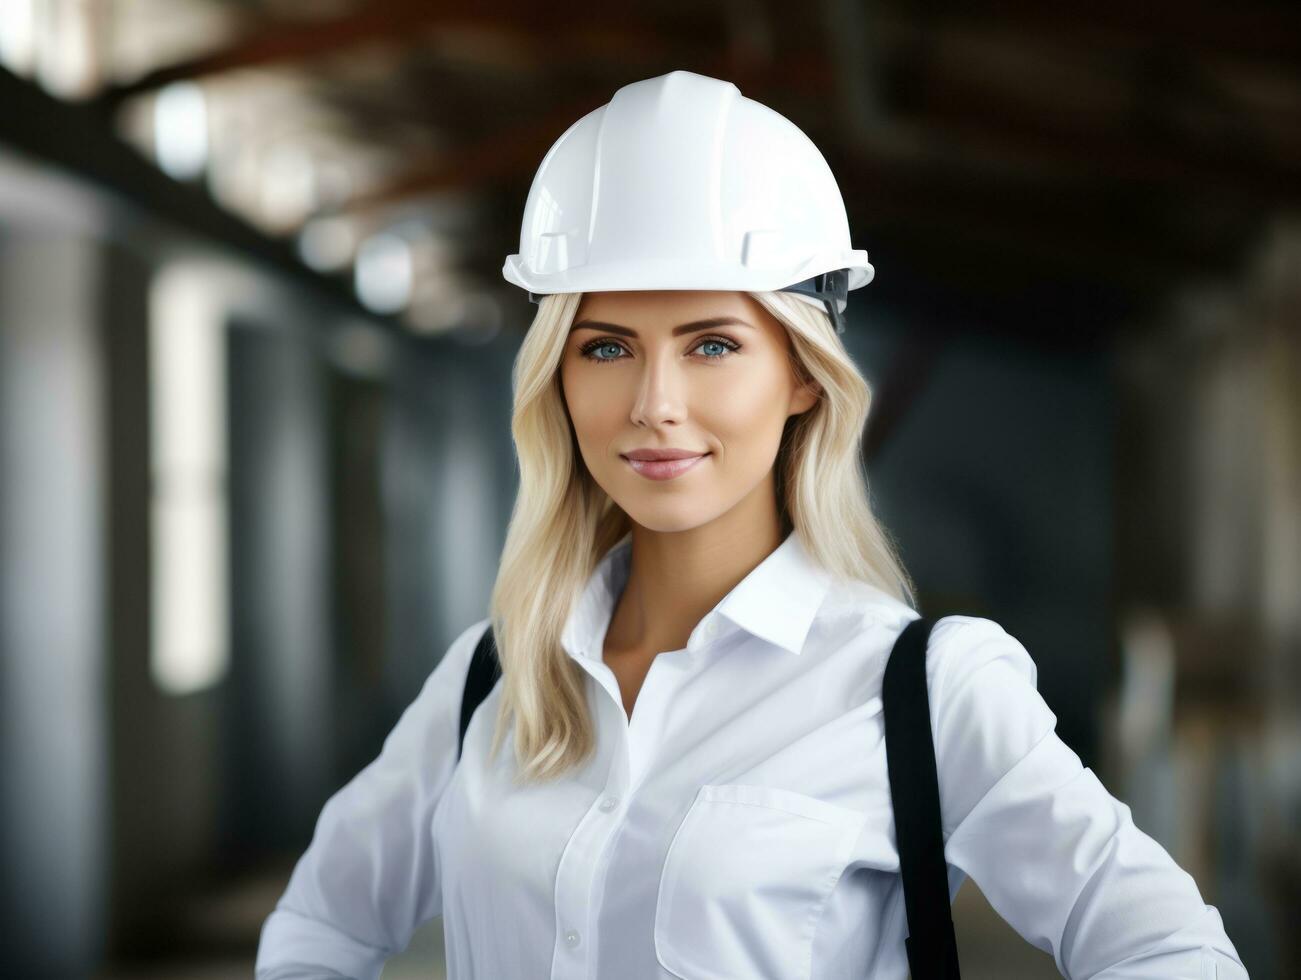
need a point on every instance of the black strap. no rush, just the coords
(484, 670)
(915, 793)
(914, 790)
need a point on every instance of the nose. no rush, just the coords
(661, 393)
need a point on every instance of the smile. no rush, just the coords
(663, 469)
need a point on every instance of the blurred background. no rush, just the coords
(255, 457)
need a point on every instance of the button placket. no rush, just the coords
(576, 874)
(577, 885)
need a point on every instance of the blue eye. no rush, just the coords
(589, 349)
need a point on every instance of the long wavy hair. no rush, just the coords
(563, 522)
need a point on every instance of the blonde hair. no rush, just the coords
(563, 523)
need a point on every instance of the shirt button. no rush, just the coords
(571, 937)
(609, 803)
(711, 627)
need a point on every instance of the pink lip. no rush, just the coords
(663, 469)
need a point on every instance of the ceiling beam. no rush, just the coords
(612, 34)
(1249, 32)
(77, 139)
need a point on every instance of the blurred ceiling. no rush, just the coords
(385, 148)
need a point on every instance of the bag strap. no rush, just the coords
(484, 670)
(914, 790)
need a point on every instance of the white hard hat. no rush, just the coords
(681, 182)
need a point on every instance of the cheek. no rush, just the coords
(746, 413)
(589, 410)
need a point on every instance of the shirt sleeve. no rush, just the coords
(1055, 854)
(369, 877)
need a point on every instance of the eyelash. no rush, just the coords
(587, 349)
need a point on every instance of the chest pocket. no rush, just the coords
(745, 879)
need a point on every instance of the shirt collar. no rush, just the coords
(776, 601)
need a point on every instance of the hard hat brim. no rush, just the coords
(643, 274)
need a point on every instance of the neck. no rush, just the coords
(676, 577)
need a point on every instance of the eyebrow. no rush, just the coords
(693, 327)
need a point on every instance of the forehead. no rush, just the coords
(655, 311)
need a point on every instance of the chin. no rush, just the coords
(667, 518)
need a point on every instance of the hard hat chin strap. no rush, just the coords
(832, 288)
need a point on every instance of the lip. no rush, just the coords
(661, 454)
(664, 469)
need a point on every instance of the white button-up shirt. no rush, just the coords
(740, 824)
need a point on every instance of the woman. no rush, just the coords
(693, 648)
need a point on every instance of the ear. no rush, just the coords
(805, 397)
